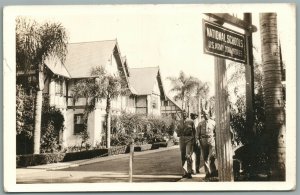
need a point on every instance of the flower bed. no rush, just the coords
(143, 147)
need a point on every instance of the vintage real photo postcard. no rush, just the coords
(167, 97)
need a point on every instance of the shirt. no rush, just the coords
(186, 128)
(206, 128)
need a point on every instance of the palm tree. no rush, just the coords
(201, 93)
(272, 86)
(102, 85)
(183, 87)
(110, 86)
(34, 44)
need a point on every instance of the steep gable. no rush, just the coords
(144, 79)
(82, 57)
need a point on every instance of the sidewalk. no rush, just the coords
(63, 165)
(195, 178)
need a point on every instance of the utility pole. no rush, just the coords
(225, 43)
(223, 138)
(249, 74)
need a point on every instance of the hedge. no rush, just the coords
(143, 147)
(39, 159)
(46, 158)
(162, 144)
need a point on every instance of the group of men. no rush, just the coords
(196, 140)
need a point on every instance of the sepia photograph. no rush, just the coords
(164, 97)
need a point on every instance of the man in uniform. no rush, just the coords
(205, 137)
(186, 132)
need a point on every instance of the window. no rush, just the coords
(166, 103)
(154, 102)
(78, 123)
(59, 87)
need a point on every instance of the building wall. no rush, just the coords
(154, 102)
(170, 109)
(141, 104)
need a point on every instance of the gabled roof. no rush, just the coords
(56, 67)
(174, 102)
(83, 56)
(143, 80)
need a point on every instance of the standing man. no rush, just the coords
(205, 137)
(186, 133)
(196, 149)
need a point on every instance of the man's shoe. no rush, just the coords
(189, 176)
(184, 176)
(197, 171)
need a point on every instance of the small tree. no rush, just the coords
(101, 85)
(34, 44)
(108, 86)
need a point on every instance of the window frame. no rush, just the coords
(78, 127)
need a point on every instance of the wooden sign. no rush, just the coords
(223, 42)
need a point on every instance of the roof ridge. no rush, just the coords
(93, 41)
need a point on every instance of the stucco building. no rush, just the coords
(145, 84)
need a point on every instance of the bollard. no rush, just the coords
(131, 161)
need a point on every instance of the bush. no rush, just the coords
(46, 158)
(117, 150)
(85, 154)
(120, 139)
(39, 159)
(24, 121)
(52, 124)
(143, 129)
(143, 147)
(49, 140)
(163, 144)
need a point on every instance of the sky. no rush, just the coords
(170, 37)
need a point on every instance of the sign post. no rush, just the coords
(224, 43)
(223, 138)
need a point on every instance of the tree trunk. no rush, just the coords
(199, 107)
(38, 111)
(108, 120)
(37, 124)
(275, 118)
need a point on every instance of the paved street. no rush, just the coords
(161, 165)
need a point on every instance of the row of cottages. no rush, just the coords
(145, 84)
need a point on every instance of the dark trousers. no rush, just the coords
(197, 156)
(186, 144)
(208, 151)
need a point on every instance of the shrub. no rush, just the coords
(85, 154)
(46, 158)
(117, 150)
(143, 129)
(120, 139)
(143, 147)
(24, 121)
(52, 124)
(49, 139)
(39, 159)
